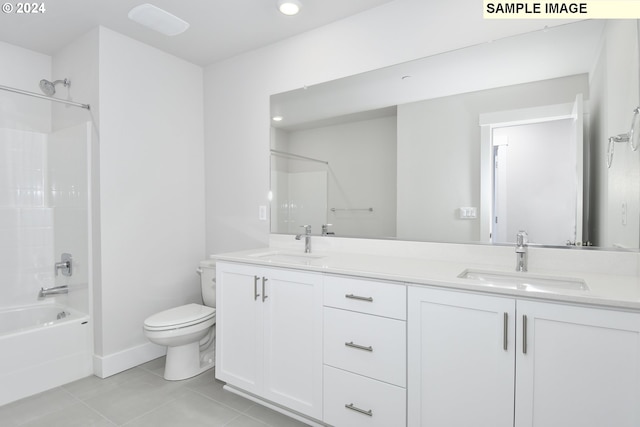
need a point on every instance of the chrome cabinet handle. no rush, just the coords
(505, 330)
(264, 295)
(255, 288)
(359, 347)
(352, 296)
(362, 411)
(524, 334)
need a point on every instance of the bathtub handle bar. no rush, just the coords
(56, 290)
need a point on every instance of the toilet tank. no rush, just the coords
(208, 282)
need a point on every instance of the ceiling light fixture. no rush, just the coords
(157, 19)
(277, 118)
(289, 7)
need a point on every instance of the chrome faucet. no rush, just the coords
(325, 230)
(307, 238)
(522, 240)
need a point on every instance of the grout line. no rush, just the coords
(99, 413)
(53, 411)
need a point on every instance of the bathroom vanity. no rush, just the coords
(351, 339)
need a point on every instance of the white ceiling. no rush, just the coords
(218, 29)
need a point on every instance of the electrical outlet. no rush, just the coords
(468, 212)
(262, 213)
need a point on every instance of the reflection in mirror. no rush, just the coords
(533, 168)
(410, 150)
(298, 192)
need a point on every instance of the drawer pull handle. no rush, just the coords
(362, 411)
(352, 296)
(359, 347)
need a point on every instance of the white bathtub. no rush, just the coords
(41, 347)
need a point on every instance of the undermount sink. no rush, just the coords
(286, 256)
(525, 281)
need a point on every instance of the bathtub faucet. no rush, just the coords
(65, 265)
(56, 290)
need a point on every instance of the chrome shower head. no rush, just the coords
(49, 88)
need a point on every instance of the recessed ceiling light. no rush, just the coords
(157, 19)
(289, 7)
(277, 118)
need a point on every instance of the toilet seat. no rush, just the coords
(179, 317)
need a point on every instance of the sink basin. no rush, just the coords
(295, 257)
(525, 281)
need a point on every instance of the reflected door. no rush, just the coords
(536, 158)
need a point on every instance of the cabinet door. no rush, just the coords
(239, 328)
(293, 340)
(581, 367)
(460, 359)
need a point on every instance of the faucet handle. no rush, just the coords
(325, 229)
(307, 229)
(522, 238)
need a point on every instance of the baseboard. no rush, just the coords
(273, 406)
(111, 364)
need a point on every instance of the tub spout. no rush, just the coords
(56, 290)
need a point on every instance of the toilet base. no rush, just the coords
(186, 361)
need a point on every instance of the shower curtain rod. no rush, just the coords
(37, 95)
(297, 156)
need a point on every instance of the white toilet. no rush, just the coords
(188, 331)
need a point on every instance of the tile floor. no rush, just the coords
(140, 397)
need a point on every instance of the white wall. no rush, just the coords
(439, 141)
(624, 174)
(362, 174)
(616, 94)
(237, 94)
(151, 191)
(23, 69)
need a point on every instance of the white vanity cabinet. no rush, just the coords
(461, 359)
(364, 353)
(269, 334)
(580, 366)
(570, 366)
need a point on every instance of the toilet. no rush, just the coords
(188, 331)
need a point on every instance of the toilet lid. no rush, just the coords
(180, 317)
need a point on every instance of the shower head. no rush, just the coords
(49, 88)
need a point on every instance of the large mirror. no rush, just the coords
(470, 145)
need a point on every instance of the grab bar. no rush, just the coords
(56, 290)
(334, 210)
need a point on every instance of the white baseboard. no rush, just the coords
(273, 406)
(111, 364)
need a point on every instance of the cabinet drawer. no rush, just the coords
(366, 296)
(369, 345)
(351, 400)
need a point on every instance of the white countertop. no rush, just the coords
(605, 290)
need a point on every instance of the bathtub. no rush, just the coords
(41, 347)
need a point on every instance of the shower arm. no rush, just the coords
(37, 95)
